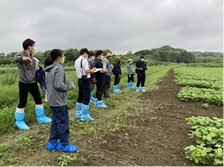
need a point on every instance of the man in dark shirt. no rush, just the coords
(117, 74)
(140, 70)
(100, 77)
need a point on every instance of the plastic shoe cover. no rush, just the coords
(117, 86)
(137, 89)
(92, 99)
(51, 146)
(115, 89)
(41, 118)
(129, 85)
(85, 113)
(20, 124)
(67, 149)
(142, 89)
(100, 104)
(78, 110)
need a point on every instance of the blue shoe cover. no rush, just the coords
(51, 146)
(20, 124)
(129, 85)
(115, 89)
(92, 99)
(85, 113)
(67, 149)
(41, 118)
(142, 89)
(78, 110)
(100, 104)
(137, 89)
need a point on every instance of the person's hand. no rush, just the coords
(129, 75)
(119, 76)
(93, 70)
(72, 84)
(141, 68)
(28, 59)
(113, 75)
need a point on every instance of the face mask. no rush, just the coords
(93, 58)
(63, 60)
(142, 60)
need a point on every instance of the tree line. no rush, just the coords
(154, 56)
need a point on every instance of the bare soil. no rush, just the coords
(160, 134)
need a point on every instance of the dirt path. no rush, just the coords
(160, 133)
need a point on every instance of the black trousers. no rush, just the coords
(107, 81)
(100, 87)
(141, 79)
(117, 80)
(60, 125)
(131, 78)
(84, 91)
(24, 89)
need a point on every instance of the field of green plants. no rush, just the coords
(203, 84)
(9, 93)
(200, 84)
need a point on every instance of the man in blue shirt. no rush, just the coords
(140, 70)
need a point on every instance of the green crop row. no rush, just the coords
(208, 134)
(204, 94)
(201, 83)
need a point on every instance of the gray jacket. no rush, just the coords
(57, 87)
(26, 70)
(130, 69)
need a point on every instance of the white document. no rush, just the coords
(98, 69)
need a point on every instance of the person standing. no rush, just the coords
(130, 74)
(108, 75)
(83, 74)
(57, 89)
(140, 69)
(117, 74)
(27, 67)
(100, 77)
(91, 61)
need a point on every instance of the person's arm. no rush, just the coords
(20, 58)
(59, 83)
(85, 65)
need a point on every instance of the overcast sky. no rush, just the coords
(118, 25)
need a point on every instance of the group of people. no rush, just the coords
(91, 69)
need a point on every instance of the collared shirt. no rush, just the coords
(80, 71)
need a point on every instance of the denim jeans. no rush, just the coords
(60, 125)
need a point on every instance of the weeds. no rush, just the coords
(65, 160)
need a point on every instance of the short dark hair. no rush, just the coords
(83, 51)
(27, 43)
(98, 52)
(55, 53)
(91, 54)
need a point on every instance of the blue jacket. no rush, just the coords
(40, 77)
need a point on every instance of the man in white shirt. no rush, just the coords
(83, 75)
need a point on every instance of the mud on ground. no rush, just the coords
(160, 133)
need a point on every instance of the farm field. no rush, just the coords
(138, 129)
